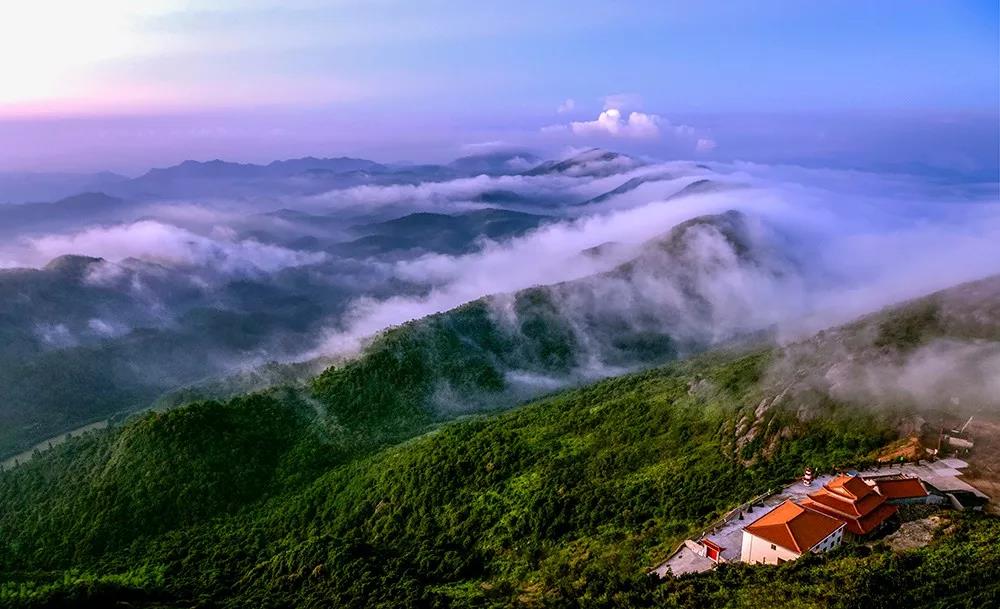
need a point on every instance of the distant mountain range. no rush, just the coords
(28, 218)
(304, 176)
(82, 336)
(225, 178)
(29, 187)
(224, 170)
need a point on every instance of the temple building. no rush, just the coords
(901, 490)
(787, 532)
(852, 500)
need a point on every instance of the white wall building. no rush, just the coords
(787, 532)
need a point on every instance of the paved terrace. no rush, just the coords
(728, 531)
(685, 560)
(942, 474)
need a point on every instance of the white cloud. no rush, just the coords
(166, 244)
(614, 122)
(106, 328)
(566, 106)
(55, 335)
(610, 122)
(705, 145)
(620, 101)
(519, 163)
(442, 196)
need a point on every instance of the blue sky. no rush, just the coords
(123, 85)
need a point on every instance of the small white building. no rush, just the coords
(787, 532)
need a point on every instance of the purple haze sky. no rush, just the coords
(125, 85)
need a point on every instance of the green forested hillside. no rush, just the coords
(75, 349)
(461, 360)
(285, 499)
(632, 462)
(457, 361)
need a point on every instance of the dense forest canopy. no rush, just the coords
(304, 497)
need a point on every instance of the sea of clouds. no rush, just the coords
(853, 241)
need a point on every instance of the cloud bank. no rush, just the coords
(847, 242)
(163, 243)
(854, 241)
(611, 123)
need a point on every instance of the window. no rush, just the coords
(774, 547)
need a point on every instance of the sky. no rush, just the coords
(123, 85)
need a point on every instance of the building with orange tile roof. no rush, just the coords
(902, 490)
(851, 499)
(789, 531)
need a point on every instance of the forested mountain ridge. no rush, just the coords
(197, 273)
(498, 349)
(282, 499)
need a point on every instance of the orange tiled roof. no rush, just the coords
(858, 525)
(850, 499)
(794, 527)
(901, 488)
(870, 521)
(849, 508)
(851, 487)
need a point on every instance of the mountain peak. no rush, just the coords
(498, 162)
(593, 162)
(731, 225)
(701, 243)
(71, 264)
(89, 198)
